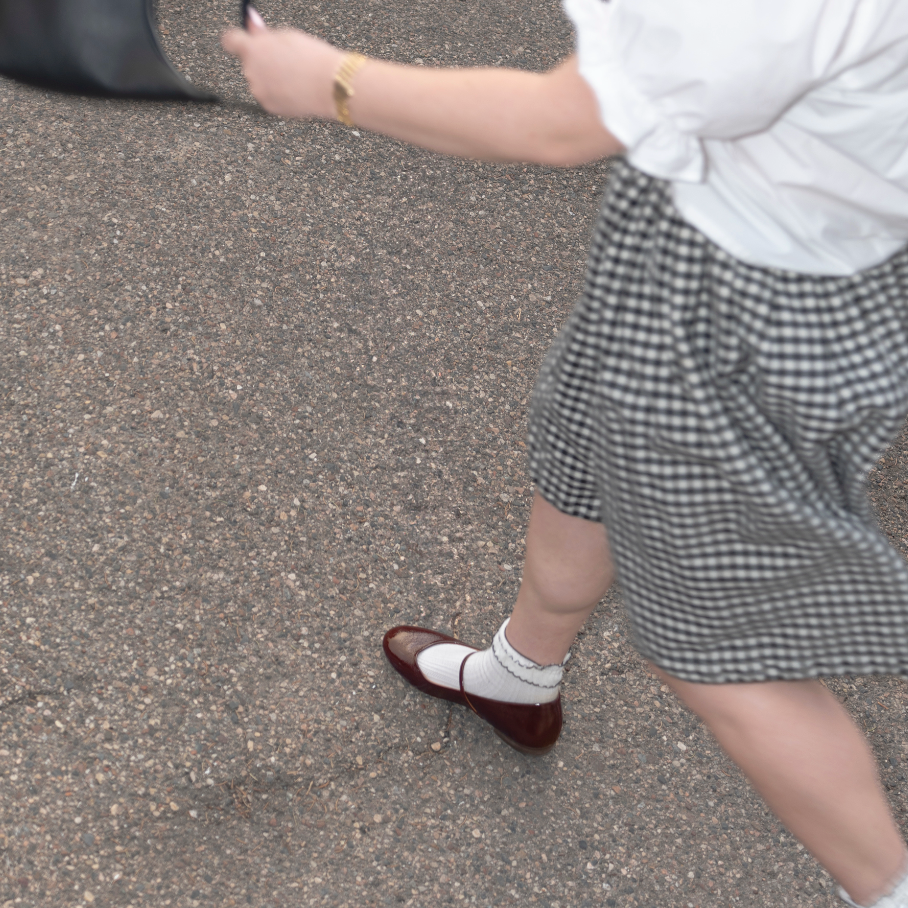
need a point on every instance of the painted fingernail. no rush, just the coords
(255, 18)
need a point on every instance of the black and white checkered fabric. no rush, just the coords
(720, 418)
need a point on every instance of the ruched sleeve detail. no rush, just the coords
(670, 75)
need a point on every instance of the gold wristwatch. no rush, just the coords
(343, 85)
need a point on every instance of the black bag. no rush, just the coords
(93, 47)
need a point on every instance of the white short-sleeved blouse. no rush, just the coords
(782, 124)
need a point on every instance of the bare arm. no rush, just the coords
(491, 114)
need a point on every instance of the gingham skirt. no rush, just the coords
(720, 419)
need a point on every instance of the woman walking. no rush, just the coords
(703, 424)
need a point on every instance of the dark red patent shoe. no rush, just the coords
(531, 728)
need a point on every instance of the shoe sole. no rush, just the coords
(529, 751)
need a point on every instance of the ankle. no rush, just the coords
(509, 651)
(544, 637)
(893, 894)
(503, 673)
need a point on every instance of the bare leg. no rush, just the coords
(801, 751)
(568, 570)
(793, 740)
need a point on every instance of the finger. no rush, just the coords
(235, 41)
(256, 22)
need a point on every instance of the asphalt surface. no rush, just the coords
(264, 392)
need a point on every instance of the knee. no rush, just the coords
(708, 701)
(748, 708)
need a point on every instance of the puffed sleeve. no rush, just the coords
(670, 74)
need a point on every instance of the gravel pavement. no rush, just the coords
(264, 389)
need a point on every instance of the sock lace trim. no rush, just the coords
(503, 653)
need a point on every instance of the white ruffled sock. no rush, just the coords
(497, 673)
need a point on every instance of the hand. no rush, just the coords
(290, 73)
